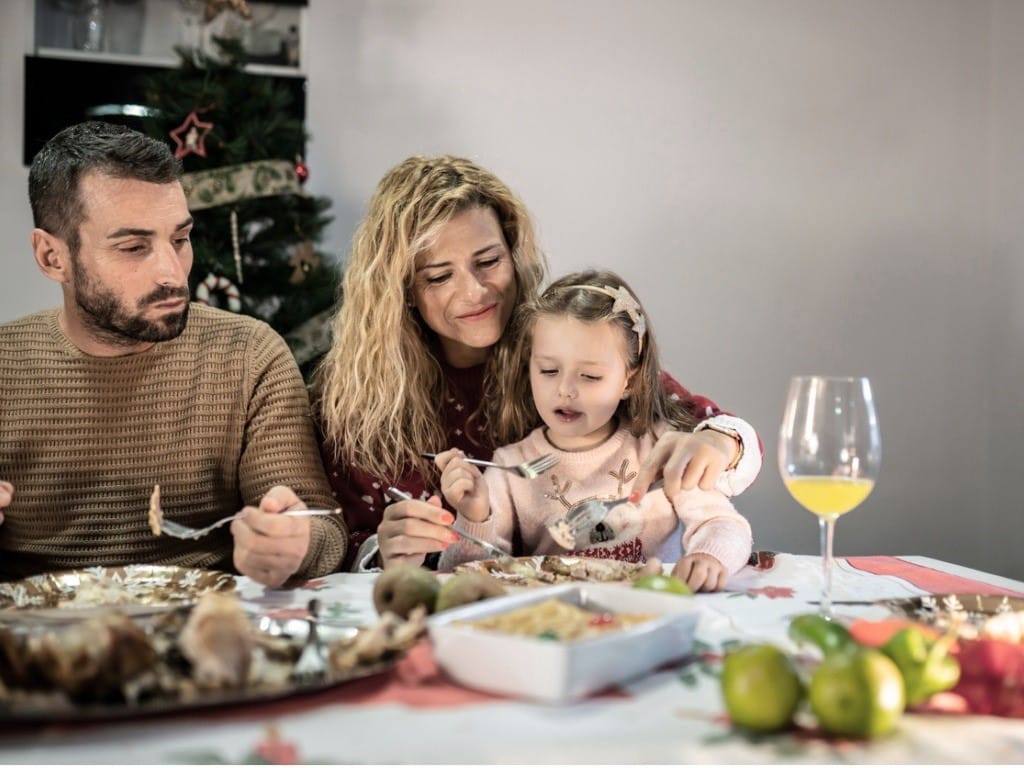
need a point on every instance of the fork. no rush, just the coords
(312, 663)
(586, 515)
(501, 554)
(528, 469)
(179, 531)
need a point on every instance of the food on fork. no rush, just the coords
(561, 532)
(156, 514)
(218, 640)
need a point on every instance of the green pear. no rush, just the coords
(469, 587)
(401, 587)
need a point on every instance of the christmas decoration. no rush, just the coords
(218, 283)
(235, 250)
(301, 169)
(213, 8)
(232, 183)
(195, 131)
(304, 260)
(254, 221)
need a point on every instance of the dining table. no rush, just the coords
(412, 712)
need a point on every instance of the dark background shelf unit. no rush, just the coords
(61, 92)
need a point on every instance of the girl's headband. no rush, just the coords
(624, 302)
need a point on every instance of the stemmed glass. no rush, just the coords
(830, 451)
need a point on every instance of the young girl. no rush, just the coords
(589, 357)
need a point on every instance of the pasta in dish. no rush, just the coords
(555, 619)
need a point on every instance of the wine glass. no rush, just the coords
(830, 451)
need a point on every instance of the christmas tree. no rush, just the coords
(254, 240)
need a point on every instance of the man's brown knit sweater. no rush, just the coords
(217, 417)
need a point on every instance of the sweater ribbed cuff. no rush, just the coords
(327, 542)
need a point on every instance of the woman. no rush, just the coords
(445, 253)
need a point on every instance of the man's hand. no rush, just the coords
(6, 494)
(269, 546)
(687, 460)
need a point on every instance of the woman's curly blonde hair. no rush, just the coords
(379, 390)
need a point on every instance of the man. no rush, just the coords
(128, 385)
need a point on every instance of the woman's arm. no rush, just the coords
(717, 454)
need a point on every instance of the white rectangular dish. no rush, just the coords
(562, 671)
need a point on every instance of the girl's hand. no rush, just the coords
(463, 486)
(686, 460)
(703, 573)
(412, 529)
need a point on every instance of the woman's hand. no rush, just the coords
(6, 494)
(703, 573)
(412, 529)
(463, 485)
(687, 460)
(269, 546)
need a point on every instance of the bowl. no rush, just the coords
(558, 671)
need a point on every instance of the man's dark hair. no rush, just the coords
(93, 147)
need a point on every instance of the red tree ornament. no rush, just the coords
(301, 169)
(190, 136)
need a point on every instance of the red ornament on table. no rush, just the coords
(190, 136)
(301, 169)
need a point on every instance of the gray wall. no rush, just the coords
(793, 186)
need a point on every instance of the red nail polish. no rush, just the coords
(447, 518)
(634, 497)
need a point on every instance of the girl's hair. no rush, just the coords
(380, 388)
(589, 296)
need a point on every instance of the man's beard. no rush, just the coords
(104, 315)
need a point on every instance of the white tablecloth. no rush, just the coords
(413, 714)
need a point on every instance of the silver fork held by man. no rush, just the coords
(400, 495)
(179, 531)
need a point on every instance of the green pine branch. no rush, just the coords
(253, 118)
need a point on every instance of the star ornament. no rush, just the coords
(624, 302)
(190, 137)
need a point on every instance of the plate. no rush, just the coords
(545, 570)
(168, 687)
(996, 616)
(52, 709)
(135, 590)
(556, 671)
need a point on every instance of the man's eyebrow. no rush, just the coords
(131, 232)
(138, 232)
